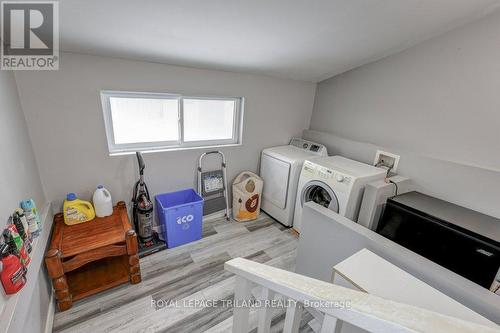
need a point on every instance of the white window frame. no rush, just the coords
(129, 148)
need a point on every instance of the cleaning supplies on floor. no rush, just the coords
(103, 203)
(12, 272)
(19, 213)
(16, 220)
(15, 243)
(76, 210)
(16, 247)
(247, 192)
(32, 217)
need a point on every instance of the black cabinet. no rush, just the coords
(454, 237)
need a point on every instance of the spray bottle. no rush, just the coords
(31, 217)
(16, 219)
(20, 213)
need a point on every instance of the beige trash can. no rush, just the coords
(247, 194)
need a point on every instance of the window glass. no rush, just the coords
(208, 119)
(160, 121)
(139, 120)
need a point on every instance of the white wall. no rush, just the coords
(19, 178)
(438, 102)
(73, 156)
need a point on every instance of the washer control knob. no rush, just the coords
(339, 178)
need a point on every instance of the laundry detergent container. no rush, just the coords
(181, 216)
(247, 194)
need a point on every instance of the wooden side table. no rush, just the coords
(90, 257)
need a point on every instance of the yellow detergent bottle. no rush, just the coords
(77, 211)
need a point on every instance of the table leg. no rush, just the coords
(56, 272)
(133, 259)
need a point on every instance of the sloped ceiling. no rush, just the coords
(300, 39)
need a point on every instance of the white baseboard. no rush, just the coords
(50, 314)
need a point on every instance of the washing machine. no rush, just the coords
(336, 183)
(280, 168)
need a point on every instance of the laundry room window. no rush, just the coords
(162, 122)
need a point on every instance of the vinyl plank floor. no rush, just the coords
(176, 281)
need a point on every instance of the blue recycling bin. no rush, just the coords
(181, 216)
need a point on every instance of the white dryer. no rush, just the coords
(280, 168)
(336, 183)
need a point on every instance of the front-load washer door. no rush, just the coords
(321, 194)
(276, 174)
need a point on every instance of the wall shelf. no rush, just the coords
(34, 269)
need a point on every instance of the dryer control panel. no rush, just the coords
(309, 146)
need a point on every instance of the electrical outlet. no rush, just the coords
(385, 159)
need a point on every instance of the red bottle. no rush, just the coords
(13, 274)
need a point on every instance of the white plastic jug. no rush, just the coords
(103, 204)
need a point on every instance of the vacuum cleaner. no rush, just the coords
(142, 212)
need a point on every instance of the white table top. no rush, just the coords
(375, 275)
